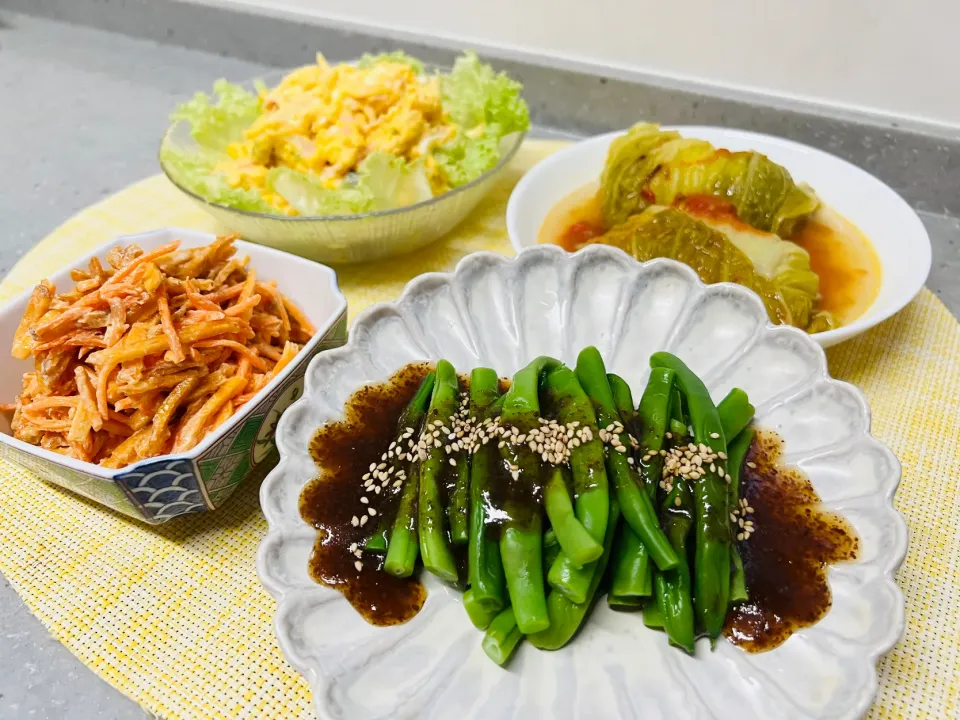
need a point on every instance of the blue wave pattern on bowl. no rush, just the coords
(161, 489)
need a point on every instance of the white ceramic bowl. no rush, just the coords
(167, 486)
(897, 234)
(498, 312)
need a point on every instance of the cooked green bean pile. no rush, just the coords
(562, 486)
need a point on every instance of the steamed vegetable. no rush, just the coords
(567, 616)
(649, 166)
(571, 405)
(635, 504)
(777, 270)
(410, 419)
(712, 556)
(434, 543)
(484, 567)
(737, 454)
(521, 535)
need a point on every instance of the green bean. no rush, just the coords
(484, 567)
(712, 556)
(404, 547)
(566, 576)
(623, 399)
(459, 501)
(580, 532)
(630, 577)
(521, 535)
(672, 587)
(411, 418)
(578, 545)
(434, 546)
(651, 616)
(550, 539)
(566, 617)
(635, 503)
(736, 453)
(479, 612)
(672, 596)
(735, 412)
(502, 637)
(654, 412)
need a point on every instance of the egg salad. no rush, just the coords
(341, 139)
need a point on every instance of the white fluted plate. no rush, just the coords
(501, 313)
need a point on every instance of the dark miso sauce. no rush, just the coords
(343, 452)
(785, 559)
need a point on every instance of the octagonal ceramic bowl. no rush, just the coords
(499, 312)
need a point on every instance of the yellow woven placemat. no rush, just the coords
(175, 618)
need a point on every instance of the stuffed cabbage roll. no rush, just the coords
(722, 248)
(649, 166)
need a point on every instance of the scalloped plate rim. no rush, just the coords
(288, 596)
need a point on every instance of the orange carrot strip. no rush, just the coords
(176, 348)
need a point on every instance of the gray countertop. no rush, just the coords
(80, 116)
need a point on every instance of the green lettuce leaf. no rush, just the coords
(195, 171)
(383, 182)
(474, 95)
(397, 56)
(464, 158)
(217, 121)
(309, 198)
(776, 269)
(652, 166)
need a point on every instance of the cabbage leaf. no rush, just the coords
(652, 166)
(776, 269)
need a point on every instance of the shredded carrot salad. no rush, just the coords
(149, 354)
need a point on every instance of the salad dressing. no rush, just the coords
(786, 557)
(840, 254)
(343, 452)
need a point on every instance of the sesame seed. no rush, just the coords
(363, 519)
(669, 435)
(398, 483)
(630, 460)
(751, 465)
(354, 521)
(371, 511)
(733, 517)
(714, 435)
(358, 565)
(748, 508)
(740, 536)
(353, 547)
(676, 501)
(377, 490)
(364, 499)
(722, 455)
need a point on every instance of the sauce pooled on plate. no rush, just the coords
(785, 559)
(344, 452)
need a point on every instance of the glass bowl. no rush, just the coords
(341, 239)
